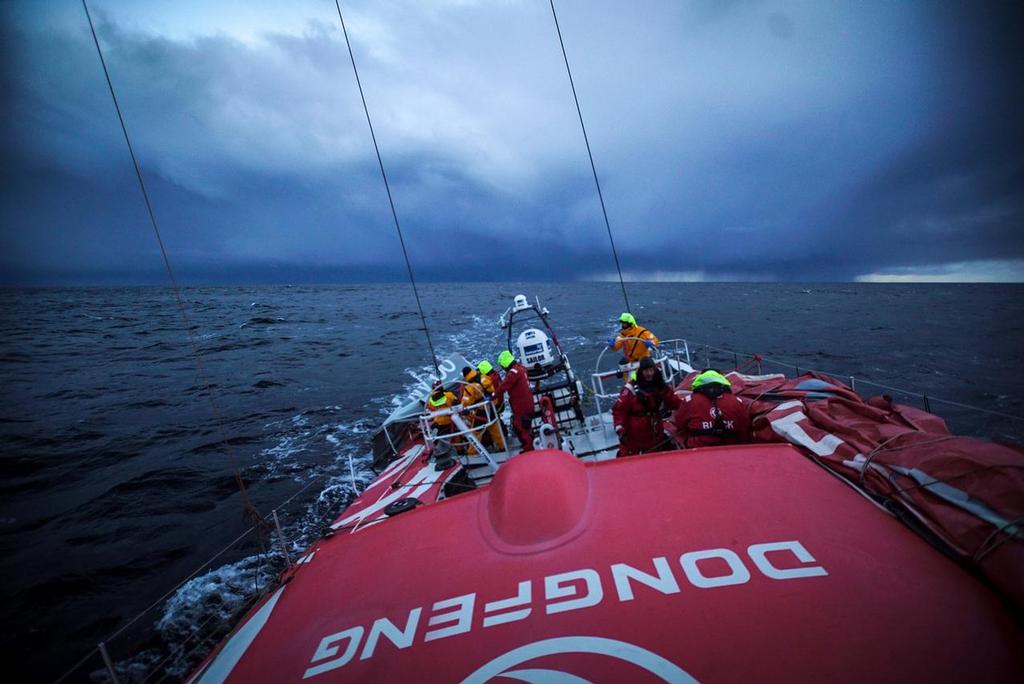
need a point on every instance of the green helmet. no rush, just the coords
(627, 317)
(710, 377)
(505, 359)
(484, 367)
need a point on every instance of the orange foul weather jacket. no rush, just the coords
(473, 393)
(634, 349)
(490, 382)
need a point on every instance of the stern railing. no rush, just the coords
(606, 384)
(677, 357)
(466, 431)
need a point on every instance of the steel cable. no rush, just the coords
(387, 187)
(218, 422)
(590, 154)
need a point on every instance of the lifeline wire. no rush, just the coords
(593, 168)
(387, 187)
(249, 508)
(861, 380)
(205, 564)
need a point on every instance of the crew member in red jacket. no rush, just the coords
(520, 397)
(637, 413)
(712, 415)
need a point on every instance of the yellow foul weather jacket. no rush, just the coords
(439, 403)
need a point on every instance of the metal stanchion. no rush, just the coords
(280, 536)
(352, 474)
(107, 661)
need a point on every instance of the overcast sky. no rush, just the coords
(738, 140)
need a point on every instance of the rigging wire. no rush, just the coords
(246, 502)
(590, 154)
(387, 187)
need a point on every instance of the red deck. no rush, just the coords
(718, 564)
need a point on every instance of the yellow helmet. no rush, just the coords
(710, 377)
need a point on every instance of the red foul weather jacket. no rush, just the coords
(637, 417)
(701, 421)
(520, 397)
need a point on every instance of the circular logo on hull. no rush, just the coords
(505, 665)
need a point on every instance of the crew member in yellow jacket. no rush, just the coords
(439, 400)
(634, 340)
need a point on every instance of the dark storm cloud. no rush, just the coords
(957, 192)
(743, 139)
(909, 173)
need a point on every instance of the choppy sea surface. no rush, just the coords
(118, 469)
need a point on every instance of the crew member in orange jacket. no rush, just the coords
(634, 340)
(490, 380)
(520, 397)
(712, 415)
(474, 392)
(472, 389)
(637, 413)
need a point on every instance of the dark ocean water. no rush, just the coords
(118, 475)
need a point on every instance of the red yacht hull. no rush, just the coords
(724, 564)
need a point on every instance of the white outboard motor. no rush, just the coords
(535, 348)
